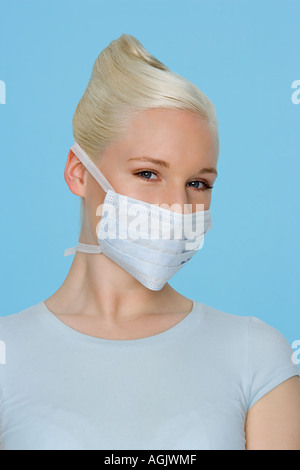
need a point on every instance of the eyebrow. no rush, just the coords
(165, 164)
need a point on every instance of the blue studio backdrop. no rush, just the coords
(244, 55)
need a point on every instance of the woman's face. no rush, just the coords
(165, 157)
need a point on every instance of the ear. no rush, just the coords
(75, 175)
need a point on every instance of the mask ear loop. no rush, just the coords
(84, 247)
(96, 173)
(91, 167)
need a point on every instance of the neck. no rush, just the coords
(96, 285)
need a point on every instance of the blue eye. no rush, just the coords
(146, 176)
(146, 172)
(206, 186)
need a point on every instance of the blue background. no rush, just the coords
(244, 55)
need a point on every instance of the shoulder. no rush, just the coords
(260, 338)
(255, 350)
(216, 316)
(18, 336)
(265, 339)
(270, 359)
(15, 327)
(273, 419)
(224, 328)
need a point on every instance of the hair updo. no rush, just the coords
(126, 79)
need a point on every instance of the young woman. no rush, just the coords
(116, 358)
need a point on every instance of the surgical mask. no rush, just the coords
(150, 242)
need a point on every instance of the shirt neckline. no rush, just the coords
(181, 326)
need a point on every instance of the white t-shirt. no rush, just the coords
(189, 387)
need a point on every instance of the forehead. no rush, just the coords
(152, 122)
(177, 136)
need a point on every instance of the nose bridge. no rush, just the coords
(177, 199)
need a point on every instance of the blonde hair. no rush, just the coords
(126, 79)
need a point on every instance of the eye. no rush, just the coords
(147, 173)
(200, 185)
(205, 186)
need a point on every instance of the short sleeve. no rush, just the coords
(270, 359)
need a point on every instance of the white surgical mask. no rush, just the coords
(150, 242)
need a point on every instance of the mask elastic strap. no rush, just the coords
(91, 167)
(96, 173)
(84, 247)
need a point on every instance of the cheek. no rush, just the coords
(94, 199)
(136, 190)
(205, 199)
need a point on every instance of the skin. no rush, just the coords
(101, 299)
(273, 423)
(98, 296)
